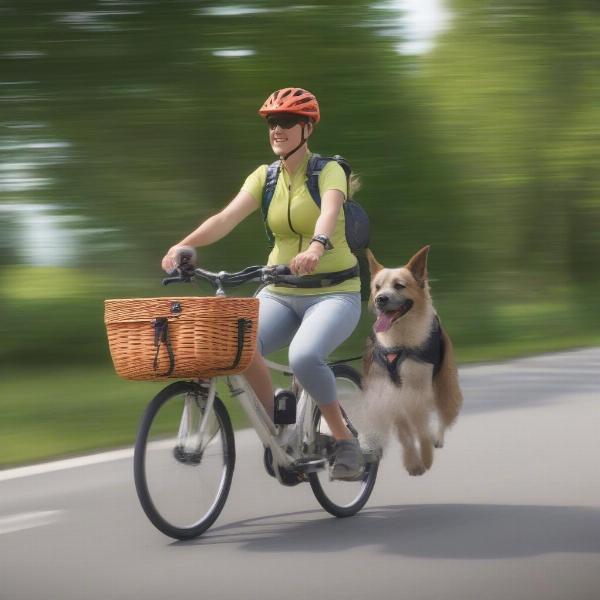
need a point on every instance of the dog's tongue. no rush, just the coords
(384, 321)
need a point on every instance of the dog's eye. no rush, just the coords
(377, 286)
(399, 286)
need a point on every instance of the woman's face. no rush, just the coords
(284, 139)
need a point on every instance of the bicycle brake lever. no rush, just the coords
(168, 280)
(184, 274)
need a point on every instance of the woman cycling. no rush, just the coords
(312, 321)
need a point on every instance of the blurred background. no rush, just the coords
(474, 125)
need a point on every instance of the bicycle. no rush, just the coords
(184, 454)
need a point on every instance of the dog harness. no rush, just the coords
(432, 352)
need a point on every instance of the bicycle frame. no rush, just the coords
(269, 433)
(191, 438)
(285, 449)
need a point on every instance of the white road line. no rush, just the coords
(241, 437)
(68, 463)
(28, 520)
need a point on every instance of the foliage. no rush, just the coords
(137, 124)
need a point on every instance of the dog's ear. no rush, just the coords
(374, 266)
(417, 265)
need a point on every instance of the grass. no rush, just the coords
(59, 412)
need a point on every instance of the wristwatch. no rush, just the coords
(323, 239)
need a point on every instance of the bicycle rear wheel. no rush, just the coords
(182, 474)
(343, 498)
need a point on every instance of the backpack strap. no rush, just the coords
(273, 171)
(315, 165)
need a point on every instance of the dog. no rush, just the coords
(409, 371)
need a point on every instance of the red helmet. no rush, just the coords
(291, 100)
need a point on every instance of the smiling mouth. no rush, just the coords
(385, 319)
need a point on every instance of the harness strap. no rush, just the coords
(431, 352)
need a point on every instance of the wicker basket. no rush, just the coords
(161, 338)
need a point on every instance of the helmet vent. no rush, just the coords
(302, 101)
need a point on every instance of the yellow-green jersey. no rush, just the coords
(292, 217)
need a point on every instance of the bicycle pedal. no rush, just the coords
(290, 476)
(311, 464)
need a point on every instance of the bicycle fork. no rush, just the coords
(194, 426)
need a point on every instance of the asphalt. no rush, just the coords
(510, 510)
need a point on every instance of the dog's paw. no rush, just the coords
(438, 439)
(416, 470)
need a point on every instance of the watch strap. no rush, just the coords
(323, 239)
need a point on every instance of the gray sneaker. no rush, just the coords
(348, 460)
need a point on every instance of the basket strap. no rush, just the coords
(243, 325)
(161, 335)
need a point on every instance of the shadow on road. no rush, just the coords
(444, 531)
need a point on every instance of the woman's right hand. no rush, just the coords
(169, 261)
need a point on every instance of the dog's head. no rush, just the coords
(394, 292)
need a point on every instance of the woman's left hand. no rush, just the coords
(306, 262)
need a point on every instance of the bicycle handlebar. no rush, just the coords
(266, 274)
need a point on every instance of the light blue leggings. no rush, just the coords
(313, 327)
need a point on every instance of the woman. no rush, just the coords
(312, 321)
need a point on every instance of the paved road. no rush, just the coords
(510, 510)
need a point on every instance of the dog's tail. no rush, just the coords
(448, 396)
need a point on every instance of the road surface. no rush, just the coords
(510, 510)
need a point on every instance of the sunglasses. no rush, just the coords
(284, 121)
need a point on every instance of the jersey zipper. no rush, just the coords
(290, 218)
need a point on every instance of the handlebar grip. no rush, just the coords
(282, 270)
(185, 255)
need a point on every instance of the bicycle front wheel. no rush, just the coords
(184, 459)
(343, 498)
